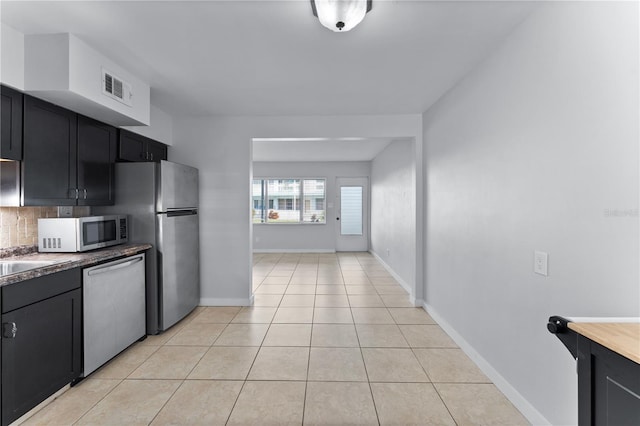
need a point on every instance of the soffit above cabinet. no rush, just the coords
(64, 70)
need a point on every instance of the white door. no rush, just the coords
(352, 214)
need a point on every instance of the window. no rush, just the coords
(288, 200)
(313, 191)
(351, 210)
(285, 203)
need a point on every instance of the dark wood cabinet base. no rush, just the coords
(41, 341)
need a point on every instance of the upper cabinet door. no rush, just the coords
(96, 162)
(137, 148)
(11, 125)
(49, 154)
(157, 151)
(132, 147)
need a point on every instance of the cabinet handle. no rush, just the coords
(85, 193)
(152, 156)
(77, 193)
(9, 330)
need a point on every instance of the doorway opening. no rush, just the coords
(370, 202)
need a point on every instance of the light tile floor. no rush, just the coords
(332, 340)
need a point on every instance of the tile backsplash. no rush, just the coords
(19, 225)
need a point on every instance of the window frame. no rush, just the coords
(301, 194)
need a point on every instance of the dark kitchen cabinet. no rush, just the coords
(49, 154)
(41, 340)
(68, 159)
(11, 125)
(97, 144)
(608, 372)
(138, 148)
(608, 386)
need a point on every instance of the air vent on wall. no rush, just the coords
(115, 88)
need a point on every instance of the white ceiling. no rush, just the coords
(274, 58)
(268, 57)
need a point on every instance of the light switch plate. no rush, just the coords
(541, 263)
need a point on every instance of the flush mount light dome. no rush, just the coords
(340, 15)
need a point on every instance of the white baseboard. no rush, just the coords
(403, 283)
(294, 251)
(216, 301)
(501, 383)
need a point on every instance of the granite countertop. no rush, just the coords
(63, 261)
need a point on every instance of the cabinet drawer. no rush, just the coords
(24, 293)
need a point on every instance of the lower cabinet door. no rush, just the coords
(41, 352)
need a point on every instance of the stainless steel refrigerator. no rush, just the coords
(161, 200)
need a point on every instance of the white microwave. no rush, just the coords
(76, 234)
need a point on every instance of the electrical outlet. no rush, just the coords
(540, 263)
(65, 211)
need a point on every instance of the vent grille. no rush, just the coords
(108, 83)
(115, 88)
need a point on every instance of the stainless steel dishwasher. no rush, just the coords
(113, 309)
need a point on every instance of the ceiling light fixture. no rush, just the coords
(340, 15)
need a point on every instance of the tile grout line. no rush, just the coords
(194, 365)
(270, 323)
(444, 403)
(91, 408)
(306, 382)
(168, 399)
(244, 381)
(366, 371)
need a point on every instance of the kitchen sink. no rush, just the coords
(8, 267)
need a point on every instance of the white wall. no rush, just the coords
(308, 237)
(12, 73)
(12, 57)
(393, 218)
(65, 70)
(221, 148)
(537, 150)
(160, 127)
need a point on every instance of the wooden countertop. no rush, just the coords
(622, 338)
(63, 261)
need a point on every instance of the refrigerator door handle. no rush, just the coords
(188, 212)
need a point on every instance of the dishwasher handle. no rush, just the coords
(124, 263)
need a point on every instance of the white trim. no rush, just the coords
(294, 251)
(501, 383)
(397, 277)
(216, 301)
